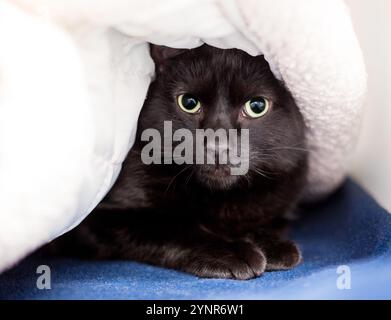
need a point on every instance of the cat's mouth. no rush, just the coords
(216, 176)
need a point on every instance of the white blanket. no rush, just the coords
(74, 74)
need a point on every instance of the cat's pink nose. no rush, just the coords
(217, 153)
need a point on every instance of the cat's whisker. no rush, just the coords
(189, 177)
(261, 172)
(246, 180)
(177, 175)
(287, 148)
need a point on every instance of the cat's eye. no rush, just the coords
(256, 107)
(189, 103)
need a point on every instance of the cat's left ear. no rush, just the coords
(162, 54)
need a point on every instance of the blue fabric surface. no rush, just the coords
(347, 229)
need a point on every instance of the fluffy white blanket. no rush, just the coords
(74, 74)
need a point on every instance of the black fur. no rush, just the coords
(195, 218)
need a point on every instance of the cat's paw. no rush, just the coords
(239, 260)
(280, 254)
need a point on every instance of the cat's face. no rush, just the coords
(210, 88)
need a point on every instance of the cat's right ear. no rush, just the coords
(162, 54)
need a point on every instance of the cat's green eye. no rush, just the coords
(189, 103)
(256, 107)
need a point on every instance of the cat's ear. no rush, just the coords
(161, 54)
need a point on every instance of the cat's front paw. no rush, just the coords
(239, 260)
(280, 254)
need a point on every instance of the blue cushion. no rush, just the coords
(348, 229)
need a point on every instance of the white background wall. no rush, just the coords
(372, 165)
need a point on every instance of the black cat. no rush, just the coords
(199, 218)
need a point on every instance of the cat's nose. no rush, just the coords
(217, 146)
(217, 152)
